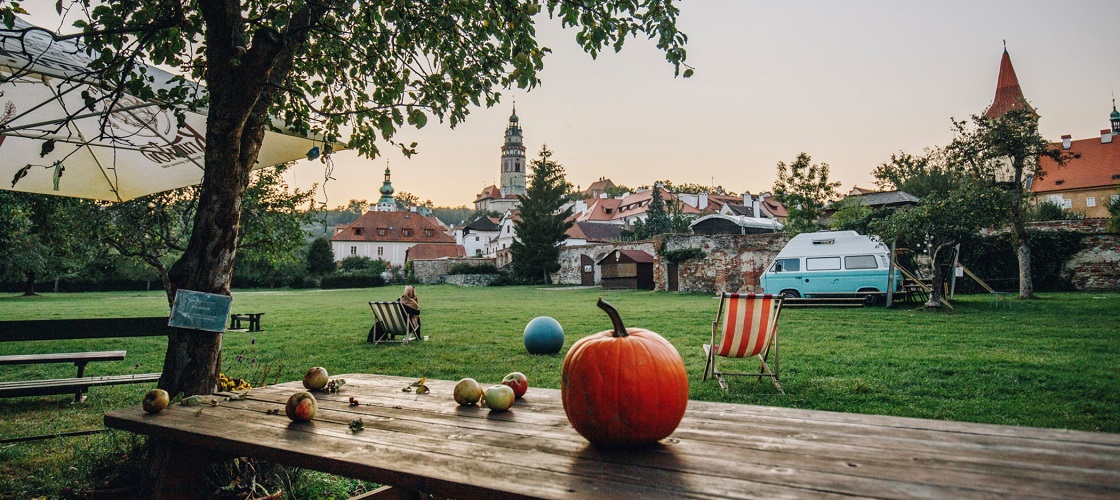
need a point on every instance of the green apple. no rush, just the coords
(467, 392)
(499, 397)
(155, 400)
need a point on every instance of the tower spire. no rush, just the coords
(1009, 95)
(386, 203)
(1114, 118)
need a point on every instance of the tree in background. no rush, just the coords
(804, 189)
(943, 219)
(327, 66)
(320, 257)
(679, 222)
(540, 232)
(917, 175)
(43, 237)
(1113, 206)
(1005, 151)
(657, 218)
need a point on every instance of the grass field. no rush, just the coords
(1048, 363)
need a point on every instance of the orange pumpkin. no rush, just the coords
(623, 387)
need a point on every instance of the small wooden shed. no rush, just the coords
(626, 270)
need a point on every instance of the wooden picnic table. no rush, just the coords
(426, 443)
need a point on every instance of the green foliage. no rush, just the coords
(466, 268)
(804, 189)
(920, 176)
(986, 256)
(358, 263)
(851, 214)
(43, 236)
(1048, 210)
(320, 257)
(540, 232)
(363, 278)
(681, 254)
(657, 219)
(1113, 206)
(453, 215)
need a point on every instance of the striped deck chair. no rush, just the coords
(394, 322)
(746, 326)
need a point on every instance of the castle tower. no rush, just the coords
(386, 203)
(513, 159)
(1009, 95)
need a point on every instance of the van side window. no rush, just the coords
(822, 263)
(860, 262)
(786, 265)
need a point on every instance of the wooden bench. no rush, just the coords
(70, 329)
(254, 320)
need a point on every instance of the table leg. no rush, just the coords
(179, 470)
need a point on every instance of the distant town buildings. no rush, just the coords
(391, 235)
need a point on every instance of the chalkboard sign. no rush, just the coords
(200, 311)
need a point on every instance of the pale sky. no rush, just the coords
(847, 82)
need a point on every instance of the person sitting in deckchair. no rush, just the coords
(411, 307)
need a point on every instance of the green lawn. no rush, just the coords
(1048, 363)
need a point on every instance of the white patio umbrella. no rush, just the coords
(51, 142)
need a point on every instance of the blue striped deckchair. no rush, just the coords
(392, 318)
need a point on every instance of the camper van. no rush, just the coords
(831, 264)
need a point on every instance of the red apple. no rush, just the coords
(518, 382)
(155, 400)
(315, 379)
(499, 397)
(467, 392)
(301, 407)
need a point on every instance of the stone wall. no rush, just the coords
(732, 262)
(433, 272)
(1097, 265)
(570, 268)
(472, 279)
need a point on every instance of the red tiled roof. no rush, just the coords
(775, 208)
(1009, 95)
(394, 225)
(490, 192)
(429, 251)
(1099, 166)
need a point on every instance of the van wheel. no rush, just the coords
(869, 300)
(791, 294)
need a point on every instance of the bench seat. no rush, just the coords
(62, 357)
(69, 385)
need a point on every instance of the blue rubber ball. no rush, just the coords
(544, 335)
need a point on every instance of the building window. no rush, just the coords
(381, 231)
(476, 238)
(380, 251)
(509, 228)
(406, 232)
(478, 252)
(428, 233)
(353, 250)
(1115, 198)
(357, 231)
(1067, 203)
(1091, 201)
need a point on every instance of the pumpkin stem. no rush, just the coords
(616, 320)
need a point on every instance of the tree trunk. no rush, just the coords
(29, 291)
(937, 283)
(1026, 284)
(1020, 239)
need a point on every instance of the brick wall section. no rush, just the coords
(433, 272)
(472, 279)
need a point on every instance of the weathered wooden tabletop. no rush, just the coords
(425, 442)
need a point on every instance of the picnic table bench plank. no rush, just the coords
(62, 357)
(48, 387)
(427, 443)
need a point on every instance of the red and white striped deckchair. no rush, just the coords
(746, 326)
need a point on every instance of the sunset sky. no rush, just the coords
(849, 83)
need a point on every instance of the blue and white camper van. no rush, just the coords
(831, 264)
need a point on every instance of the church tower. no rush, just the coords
(513, 159)
(1009, 95)
(386, 203)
